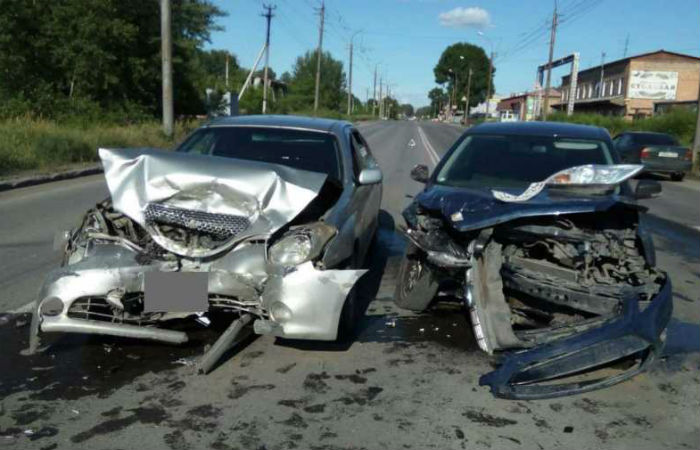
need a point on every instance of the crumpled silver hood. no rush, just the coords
(242, 198)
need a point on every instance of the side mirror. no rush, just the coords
(647, 189)
(420, 173)
(370, 176)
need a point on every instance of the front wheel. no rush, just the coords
(677, 176)
(416, 285)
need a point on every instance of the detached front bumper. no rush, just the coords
(542, 372)
(298, 303)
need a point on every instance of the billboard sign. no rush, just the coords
(651, 84)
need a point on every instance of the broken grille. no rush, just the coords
(223, 226)
(97, 308)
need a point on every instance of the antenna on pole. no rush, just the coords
(627, 44)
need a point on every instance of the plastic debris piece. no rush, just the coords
(203, 320)
(185, 362)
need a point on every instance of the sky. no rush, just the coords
(404, 38)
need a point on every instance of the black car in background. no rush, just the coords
(534, 229)
(658, 152)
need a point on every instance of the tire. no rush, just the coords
(416, 285)
(678, 176)
(348, 318)
(349, 314)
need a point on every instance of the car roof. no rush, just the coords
(286, 121)
(559, 129)
(647, 133)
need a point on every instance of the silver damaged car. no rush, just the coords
(266, 219)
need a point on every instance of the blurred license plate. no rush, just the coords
(176, 292)
(668, 155)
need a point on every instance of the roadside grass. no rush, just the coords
(678, 122)
(28, 144)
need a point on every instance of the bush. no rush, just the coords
(30, 144)
(678, 122)
(62, 149)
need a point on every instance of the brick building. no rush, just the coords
(630, 86)
(525, 106)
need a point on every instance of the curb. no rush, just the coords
(48, 178)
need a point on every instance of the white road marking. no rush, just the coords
(411, 143)
(432, 154)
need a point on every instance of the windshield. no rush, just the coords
(516, 161)
(654, 139)
(300, 149)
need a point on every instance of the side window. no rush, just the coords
(622, 141)
(365, 158)
(355, 147)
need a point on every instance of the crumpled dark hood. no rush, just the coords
(468, 209)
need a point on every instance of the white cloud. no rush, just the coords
(459, 17)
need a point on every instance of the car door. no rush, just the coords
(368, 196)
(626, 148)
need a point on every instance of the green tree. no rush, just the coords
(455, 62)
(407, 109)
(303, 82)
(424, 111)
(58, 55)
(438, 98)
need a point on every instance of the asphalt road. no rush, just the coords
(408, 381)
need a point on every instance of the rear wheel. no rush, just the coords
(678, 176)
(416, 285)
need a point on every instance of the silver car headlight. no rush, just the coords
(301, 244)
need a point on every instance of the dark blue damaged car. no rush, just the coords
(535, 228)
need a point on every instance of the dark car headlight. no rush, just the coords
(301, 244)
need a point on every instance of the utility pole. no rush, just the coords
(466, 105)
(552, 38)
(381, 102)
(268, 16)
(226, 73)
(488, 86)
(627, 44)
(322, 13)
(350, 80)
(696, 142)
(166, 50)
(602, 73)
(374, 93)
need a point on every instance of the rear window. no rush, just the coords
(299, 149)
(516, 161)
(654, 139)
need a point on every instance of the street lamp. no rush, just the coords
(488, 88)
